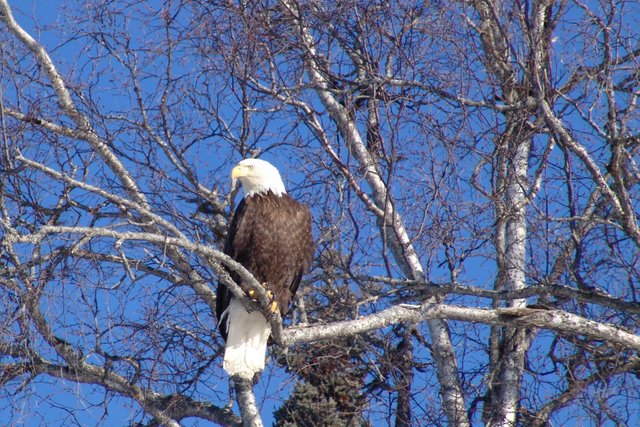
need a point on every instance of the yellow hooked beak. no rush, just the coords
(238, 172)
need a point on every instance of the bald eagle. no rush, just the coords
(270, 235)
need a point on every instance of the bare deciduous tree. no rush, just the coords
(472, 171)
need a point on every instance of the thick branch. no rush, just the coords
(557, 320)
(247, 403)
(167, 409)
(213, 256)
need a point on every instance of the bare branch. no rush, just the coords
(556, 320)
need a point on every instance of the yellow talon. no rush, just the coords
(273, 307)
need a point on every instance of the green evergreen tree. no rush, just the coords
(331, 375)
(309, 406)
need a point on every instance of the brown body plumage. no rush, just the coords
(270, 236)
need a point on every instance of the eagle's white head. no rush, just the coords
(258, 177)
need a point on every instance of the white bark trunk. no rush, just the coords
(392, 226)
(247, 403)
(509, 344)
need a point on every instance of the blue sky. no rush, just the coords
(36, 17)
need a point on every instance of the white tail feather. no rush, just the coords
(247, 335)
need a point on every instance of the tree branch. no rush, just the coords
(557, 320)
(167, 409)
(68, 106)
(391, 223)
(247, 402)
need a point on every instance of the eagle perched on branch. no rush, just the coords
(270, 235)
